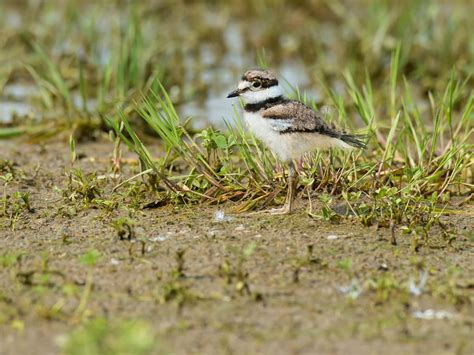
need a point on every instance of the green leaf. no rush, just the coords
(90, 258)
(220, 141)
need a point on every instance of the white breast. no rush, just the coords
(287, 146)
(263, 130)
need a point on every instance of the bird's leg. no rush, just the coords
(291, 190)
(290, 193)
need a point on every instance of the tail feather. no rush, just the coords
(354, 140)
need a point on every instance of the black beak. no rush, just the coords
(234, 93)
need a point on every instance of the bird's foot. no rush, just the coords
(275, 211)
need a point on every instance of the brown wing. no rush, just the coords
(298, 118)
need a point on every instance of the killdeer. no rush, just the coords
(287, 127)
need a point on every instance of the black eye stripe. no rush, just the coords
(269, 83)
(264, 83)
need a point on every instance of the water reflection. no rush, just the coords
(220, 78)
(220, 62)
(14, 101)
(10, 109)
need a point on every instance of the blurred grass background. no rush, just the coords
(198, 49)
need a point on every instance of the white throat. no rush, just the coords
(253, 97)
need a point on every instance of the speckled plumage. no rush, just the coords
(266, 77)
(287, 127)
(303, 118)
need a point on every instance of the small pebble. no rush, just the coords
(159, 238)
(430, 314)
(219, 216)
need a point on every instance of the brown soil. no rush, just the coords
(279, 299)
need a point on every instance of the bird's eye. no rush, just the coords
(256, 84)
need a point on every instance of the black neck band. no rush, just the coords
(264, 104)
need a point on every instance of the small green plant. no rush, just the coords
(13, 206)
(106, 337)
(7, 178)
(179, 257)
(41, 276)
(19, 203)
(90, 258)
(175, 290)
(82, 187)
(174, 287)
(10, 259)
(236, 274)
(124, 227)
(384, 287)
(346, 266)
(327, 213)
(7, 166)
(305, 262)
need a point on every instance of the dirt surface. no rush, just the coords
(238, 284)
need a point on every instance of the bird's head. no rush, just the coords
(257, 85)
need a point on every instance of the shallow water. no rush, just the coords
(10, 109)
(215, 109)
(14, 101)
(219, 75)
(202, 49)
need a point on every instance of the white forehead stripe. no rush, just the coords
(244, 84)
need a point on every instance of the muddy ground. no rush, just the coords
(245, 284)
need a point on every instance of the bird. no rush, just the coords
(287, 127)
